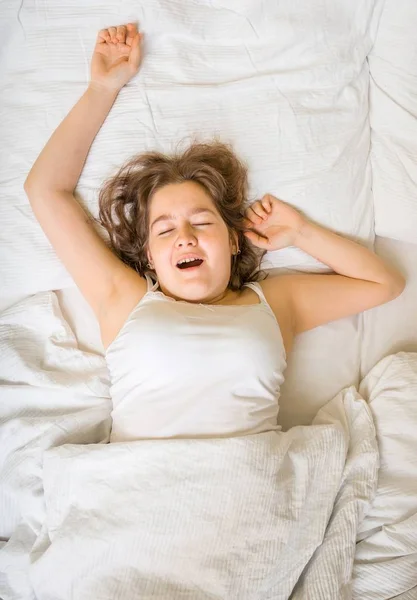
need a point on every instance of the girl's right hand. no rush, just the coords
(116, 57)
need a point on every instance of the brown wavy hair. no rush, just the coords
(124, 201)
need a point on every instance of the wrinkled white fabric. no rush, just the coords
(286, 83)
(259, 516)
(386, 556)
(51, 393)
(393, 119)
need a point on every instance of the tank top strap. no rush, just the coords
(255, 286)
(152, 285)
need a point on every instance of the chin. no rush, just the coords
(195, 287)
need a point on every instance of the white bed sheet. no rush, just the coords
(287, 84)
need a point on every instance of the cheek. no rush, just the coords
(223, 241)
(219, 246)
(218, 234)
(160, 249)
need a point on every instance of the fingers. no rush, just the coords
(113, 32)
(134, 58)
(132, 32)
(258, 212)
(110, 35)
(267, 203)
(104, 36)
(121, 34)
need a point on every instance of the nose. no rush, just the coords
(186, 236)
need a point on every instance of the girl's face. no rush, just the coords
(184, 223)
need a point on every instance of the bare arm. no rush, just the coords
(346, 257)
(363, 279)
(54, 176)
(59, 165)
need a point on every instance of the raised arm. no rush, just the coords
(51, 182)
(363, 279)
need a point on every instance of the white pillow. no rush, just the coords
(393, 115)
(286, 83)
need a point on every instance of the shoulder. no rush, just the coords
(276, 289)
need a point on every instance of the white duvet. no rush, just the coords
(281, 508)
(262, 516)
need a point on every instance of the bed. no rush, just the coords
(320, 100)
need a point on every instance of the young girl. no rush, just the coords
(195, 343)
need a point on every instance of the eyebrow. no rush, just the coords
(170, 217)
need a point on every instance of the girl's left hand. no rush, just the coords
(273, 224)
(116, 57)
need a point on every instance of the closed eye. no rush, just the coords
(195, 225)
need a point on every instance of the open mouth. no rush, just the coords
(190, 264)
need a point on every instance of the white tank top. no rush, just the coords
(179, 369)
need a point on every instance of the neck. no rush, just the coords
(216, 300)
